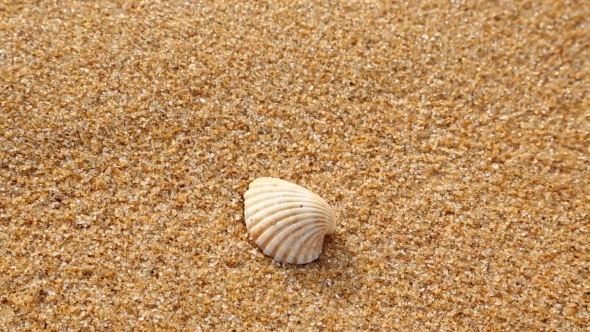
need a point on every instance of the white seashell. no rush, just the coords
(287, 222)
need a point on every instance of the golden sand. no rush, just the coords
(452, 141)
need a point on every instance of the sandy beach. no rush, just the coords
(452, 140)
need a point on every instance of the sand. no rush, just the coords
(452, 140)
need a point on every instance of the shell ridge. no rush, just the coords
(303, 251)
(256, 206)
(288, 222)
(318, 242)
(256, 192)
(287, 234)
(270, 226)
(290, 241)
(266, 196)
(301, 236)
(268, 213)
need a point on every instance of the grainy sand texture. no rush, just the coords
(452, 139)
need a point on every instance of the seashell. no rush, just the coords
(287, 221)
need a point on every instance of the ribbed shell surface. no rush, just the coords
(287, 221)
